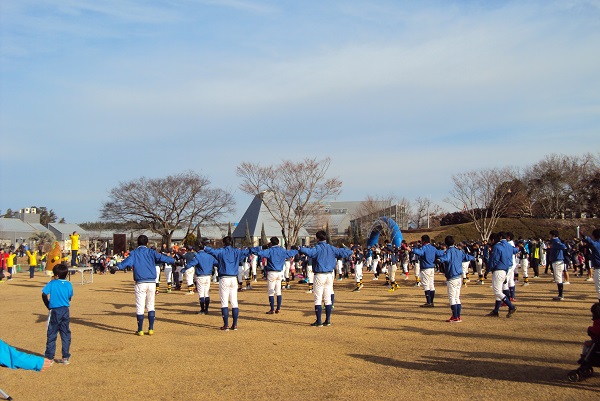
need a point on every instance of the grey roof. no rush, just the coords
(256, 215)
(62, 230)
(8, 225)
(12, 229)
(213, 232)
(350, 206)
(38, 227)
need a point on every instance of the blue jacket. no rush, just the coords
(144, 261)
(594, 247)
(454, 258)
(427, 254)
(502, 256)
(275, 255)
(228, 259)
(203, 262)
(486, 252)
(324, 256)
(60, 291)
(14, 359)
(555, 253)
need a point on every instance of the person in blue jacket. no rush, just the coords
(454, 258)
(143, 260)
(203, 264)
(228, 261)
(427, 254)
(556, 258)
(12, 358)
(593, 244)
(500, 260)
(324, 258)
(276, 257)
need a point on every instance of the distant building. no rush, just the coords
(256, 216)
(396, 212)
(19, 230)
(341, 216)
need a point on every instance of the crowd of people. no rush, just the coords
(503, 258)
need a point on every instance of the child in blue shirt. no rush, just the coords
(57, 296)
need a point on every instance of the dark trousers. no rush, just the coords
(58, 323)
(31, 271)
(73, 258)
(535, 264)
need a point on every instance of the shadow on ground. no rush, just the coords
(484, 365)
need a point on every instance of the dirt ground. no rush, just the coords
(381, 345)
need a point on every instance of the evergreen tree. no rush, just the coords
(247, 239)
(263, 235)
(198, 236)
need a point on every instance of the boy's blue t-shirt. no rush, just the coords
(60, 291)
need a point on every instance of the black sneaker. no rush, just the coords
(511, 312)
(493, 314)
(326, 323)
(317, 324)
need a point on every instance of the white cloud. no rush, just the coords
(400, 95)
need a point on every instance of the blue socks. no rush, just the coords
(140, 321)
(328, 313)
(278, 303)
(429, 296)
(225, 314)
(272, 301)
(508, 303)
(560, 289)
(456, 309)
(235, 313)
(151, 316)
(318, 311)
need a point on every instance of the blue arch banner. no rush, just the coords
(378, 226)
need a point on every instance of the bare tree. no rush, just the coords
(162, 205)
(291, 192)
(426, 212)
(482, 194)
(559, 184)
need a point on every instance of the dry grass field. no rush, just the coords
(381, 345)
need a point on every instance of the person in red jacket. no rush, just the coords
(3, 269)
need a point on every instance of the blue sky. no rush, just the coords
(400, 94)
